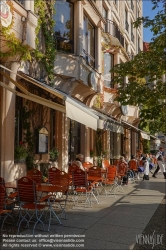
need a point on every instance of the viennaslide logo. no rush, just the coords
(150, 239)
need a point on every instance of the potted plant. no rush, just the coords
(20, 153)
(91, 153)
(54, 153)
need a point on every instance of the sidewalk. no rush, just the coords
(115, 223)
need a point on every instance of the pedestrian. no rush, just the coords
(78, 161)
(146, 168)
(160, 163)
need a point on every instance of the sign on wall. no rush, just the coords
(5, 14)
(42, 145)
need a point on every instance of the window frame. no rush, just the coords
(86, 53)
(59, 40)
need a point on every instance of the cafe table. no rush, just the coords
(51, 191)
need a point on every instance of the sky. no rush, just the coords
(147, 11)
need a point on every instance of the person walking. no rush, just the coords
(160, 163)
(146, 168)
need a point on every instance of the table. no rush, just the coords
(12, 184)
(46, 188)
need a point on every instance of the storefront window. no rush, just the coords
(74, 140)
(64, 28)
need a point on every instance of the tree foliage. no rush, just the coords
(146, 86)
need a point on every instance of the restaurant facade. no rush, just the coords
(78, 113)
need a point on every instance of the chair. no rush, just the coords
(81, 186)
(134, 167)
(121, 173)
(51, 174)
(35, 175)
(9, 199)
(87, 165)
(29, 207)
(95, 177)
(70, 171)
(3, 210)
(61, 182)
(110, 178)
(105, 164)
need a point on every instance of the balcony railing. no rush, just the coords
(89, 59)
(113, 30)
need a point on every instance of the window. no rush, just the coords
(89, 41)
(132, 35)
(126, 20)
(64, 30)
(139, 49)
(108, 64)
(132, 5)
(126, 46)
(104, 13)
(74, 140)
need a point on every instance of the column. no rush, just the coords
(8, 172)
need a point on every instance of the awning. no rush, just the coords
(145, 136)
(130, 126)
(80, 114)
(107, 123)
(74, 110)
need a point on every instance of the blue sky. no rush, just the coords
(147, 11)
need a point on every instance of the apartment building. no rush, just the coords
(78, 114)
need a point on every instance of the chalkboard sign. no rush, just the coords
(42, 145)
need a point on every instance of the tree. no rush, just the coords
(146, 86)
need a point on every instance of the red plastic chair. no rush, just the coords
(30, 208)
(81, 186)
(61, 182)
(51, 174)
(111, 179)
(87, 165)
(35, 175)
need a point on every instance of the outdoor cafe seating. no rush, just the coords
(5, 212)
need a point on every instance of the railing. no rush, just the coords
(89, 59)
(113, 30)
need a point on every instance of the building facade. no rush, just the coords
(78, 113)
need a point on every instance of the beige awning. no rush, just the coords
(74, 110)
(80, 113)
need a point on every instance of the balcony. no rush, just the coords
(25, 23)
(75, 68)
(113, 30)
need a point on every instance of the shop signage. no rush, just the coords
(106, 125)
(5, 14)
(42, 145)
